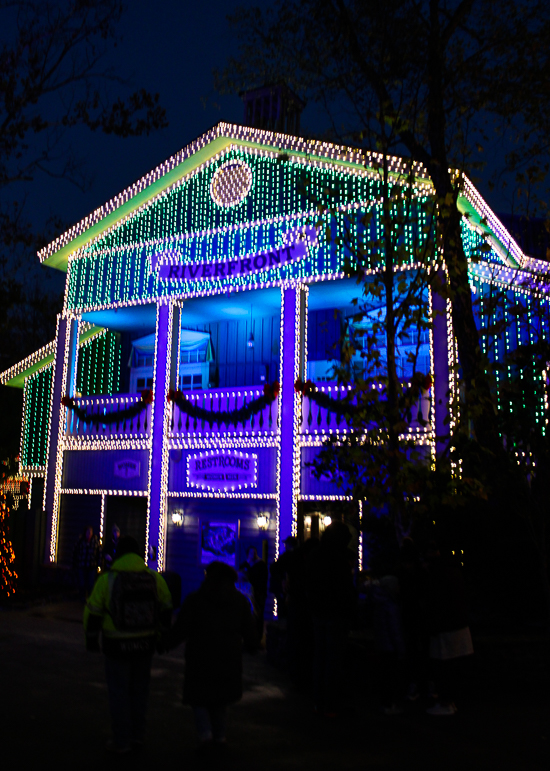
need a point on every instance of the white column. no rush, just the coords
(63, 383)
(292, 367)
(165, 375)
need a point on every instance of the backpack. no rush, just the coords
(134, 601)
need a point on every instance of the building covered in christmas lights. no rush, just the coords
(195, 300)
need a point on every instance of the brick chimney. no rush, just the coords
(274, 108)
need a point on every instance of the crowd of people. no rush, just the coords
(416, 602)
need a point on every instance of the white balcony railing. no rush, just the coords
(224, 410)
(107, 417)
(317, 418)
(212, 411)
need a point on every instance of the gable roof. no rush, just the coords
(219, 139)
(191, 157)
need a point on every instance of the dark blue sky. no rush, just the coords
(171, 48)
(167, 47)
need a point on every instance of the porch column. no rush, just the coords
(164, 378)
(63, 383)
(443, 355)
(292, 366)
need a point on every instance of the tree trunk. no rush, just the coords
(396, 506)
(476, 380)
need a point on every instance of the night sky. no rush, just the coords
(171, 48)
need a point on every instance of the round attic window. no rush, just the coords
(231, 183)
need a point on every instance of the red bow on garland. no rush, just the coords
(147, 396)
(306, 388)
(271, 391)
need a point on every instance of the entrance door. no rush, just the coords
(130, 514)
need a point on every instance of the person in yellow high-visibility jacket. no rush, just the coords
(131, 606)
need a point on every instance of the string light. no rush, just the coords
(309, 153)
(243, 200)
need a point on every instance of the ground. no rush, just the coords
(54, 709)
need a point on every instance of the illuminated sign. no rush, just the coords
(169, 267)
(222, 470)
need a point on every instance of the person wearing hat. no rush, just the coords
(216, 623)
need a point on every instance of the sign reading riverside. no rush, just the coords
(222, 470)
(169, 268)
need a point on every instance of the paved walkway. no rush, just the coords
(54, 711)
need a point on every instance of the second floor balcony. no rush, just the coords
(102, 418)
(224, 411)
(215, 412)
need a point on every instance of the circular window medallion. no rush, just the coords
(231, 183)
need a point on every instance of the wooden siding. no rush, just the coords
(309, 484)
(235, 364)
(323, 334)
(94, 470)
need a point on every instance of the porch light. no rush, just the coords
(327, 521)
(177, 517)
(263, 520)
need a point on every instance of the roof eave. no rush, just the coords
(16, 375)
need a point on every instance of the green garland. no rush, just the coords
(343, 407)
(97, 418)
(339, 406)
(240, 415)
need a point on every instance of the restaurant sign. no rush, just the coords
(222, 470)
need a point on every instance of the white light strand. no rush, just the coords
(308, 152)
(221, 494)
(164, 450)
(49, 422)
(102, 519)
(360, 544)
(60, 437)
(46, 351)
(102, 491)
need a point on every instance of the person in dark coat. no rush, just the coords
(215, 622)
(383, 593)
(299, 627)
(110, 548)
(258, 575)
(448, 625)
(86, 560)
(278, 571)
(332, 602)
(412, 587)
